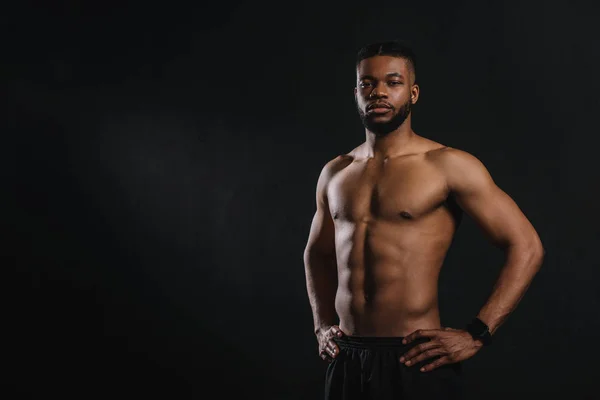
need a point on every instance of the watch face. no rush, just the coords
(478, 329)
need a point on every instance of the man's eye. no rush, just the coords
(364, 84)
(395, 83)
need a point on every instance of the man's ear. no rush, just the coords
(414, 93)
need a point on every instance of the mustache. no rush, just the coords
(379, 104)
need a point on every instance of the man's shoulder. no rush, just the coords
(331, 168)
(337, 164)
(460, 168)
(451, 158)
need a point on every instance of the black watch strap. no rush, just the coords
(480, 331)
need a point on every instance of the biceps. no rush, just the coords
(322, 233)
(497, 214)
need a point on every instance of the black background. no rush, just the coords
(161, 164)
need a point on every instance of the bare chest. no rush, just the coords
(393, 191)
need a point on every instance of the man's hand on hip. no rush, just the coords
(453, 345)
(328, 349)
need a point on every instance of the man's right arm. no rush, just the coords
(320, 259)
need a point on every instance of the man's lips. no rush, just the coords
(379, 108)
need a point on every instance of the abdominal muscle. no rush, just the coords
(387, 281)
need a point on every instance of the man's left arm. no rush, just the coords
(504, 224)
(507, 227)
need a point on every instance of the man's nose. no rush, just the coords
(378, 91)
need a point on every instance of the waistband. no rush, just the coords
(369, 342)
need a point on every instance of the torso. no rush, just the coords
(394, 222)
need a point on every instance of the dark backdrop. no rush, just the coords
(161, 164)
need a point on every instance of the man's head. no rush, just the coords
(385, 88)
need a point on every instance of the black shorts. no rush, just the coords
(369, 368)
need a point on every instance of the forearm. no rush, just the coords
(522, 264)
(321, 284)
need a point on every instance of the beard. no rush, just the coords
(383, 128)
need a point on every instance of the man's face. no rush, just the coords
(383, 93)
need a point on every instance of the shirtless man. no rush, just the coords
(386, 215)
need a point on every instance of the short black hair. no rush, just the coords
(394, 48)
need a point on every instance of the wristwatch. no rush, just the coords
(480, 331)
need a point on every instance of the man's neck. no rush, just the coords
(393, 144)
